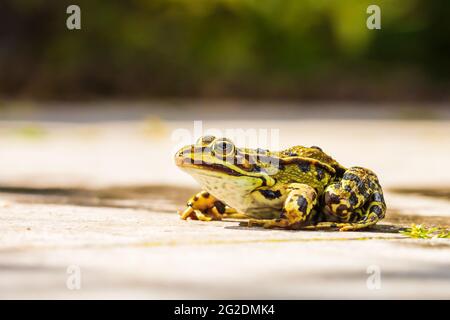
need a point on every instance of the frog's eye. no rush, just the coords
(223, 147)
(205, 140)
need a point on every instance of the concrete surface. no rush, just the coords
(100, 198)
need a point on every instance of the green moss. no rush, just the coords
(32, 132)
(419, 231)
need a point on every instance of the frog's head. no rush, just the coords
(219, 166)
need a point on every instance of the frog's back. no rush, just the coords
(313, 153)
(309, 166)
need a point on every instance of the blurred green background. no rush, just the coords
(283, 49)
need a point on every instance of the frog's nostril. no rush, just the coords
(179, 158)
(179, 154)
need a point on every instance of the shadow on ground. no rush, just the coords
(443, 193)
(155, 197)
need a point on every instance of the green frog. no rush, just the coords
(300, 187)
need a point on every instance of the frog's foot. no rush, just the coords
(203, 206)
(269, 223)
(356, 201)
(368, 221)
(297, 209)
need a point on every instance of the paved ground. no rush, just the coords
(99, 200)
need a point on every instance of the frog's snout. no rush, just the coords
(182, 157)
(179, 158)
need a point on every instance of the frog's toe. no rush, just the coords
(255, 223)
(321, 226)
(354, 227)
(186, 213)
(260, 223)
(214, 213)
(202, 217)
(269, 223)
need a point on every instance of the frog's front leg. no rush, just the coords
(203, 206)
(356, 201)
(297, 208)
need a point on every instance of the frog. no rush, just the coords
(296, 188)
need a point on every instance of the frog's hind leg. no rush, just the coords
(356, 201)
(203, 206)
(297, 208)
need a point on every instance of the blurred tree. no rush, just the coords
(255, 48)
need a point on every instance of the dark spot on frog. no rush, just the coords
(315, 147)
(220, 206)
(353, 199)
(320, 173)
(331, 198)
(304, 166)
(292, 154)
(256, 168)
(339, 171)
(352, 177)
(362, 188)
(377, 210)
(302, 204)
(378, 197)
(269, 194)
(354, 216)
(205, 195)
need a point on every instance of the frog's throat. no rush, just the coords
(234, 190)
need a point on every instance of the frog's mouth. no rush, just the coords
(203, 165)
